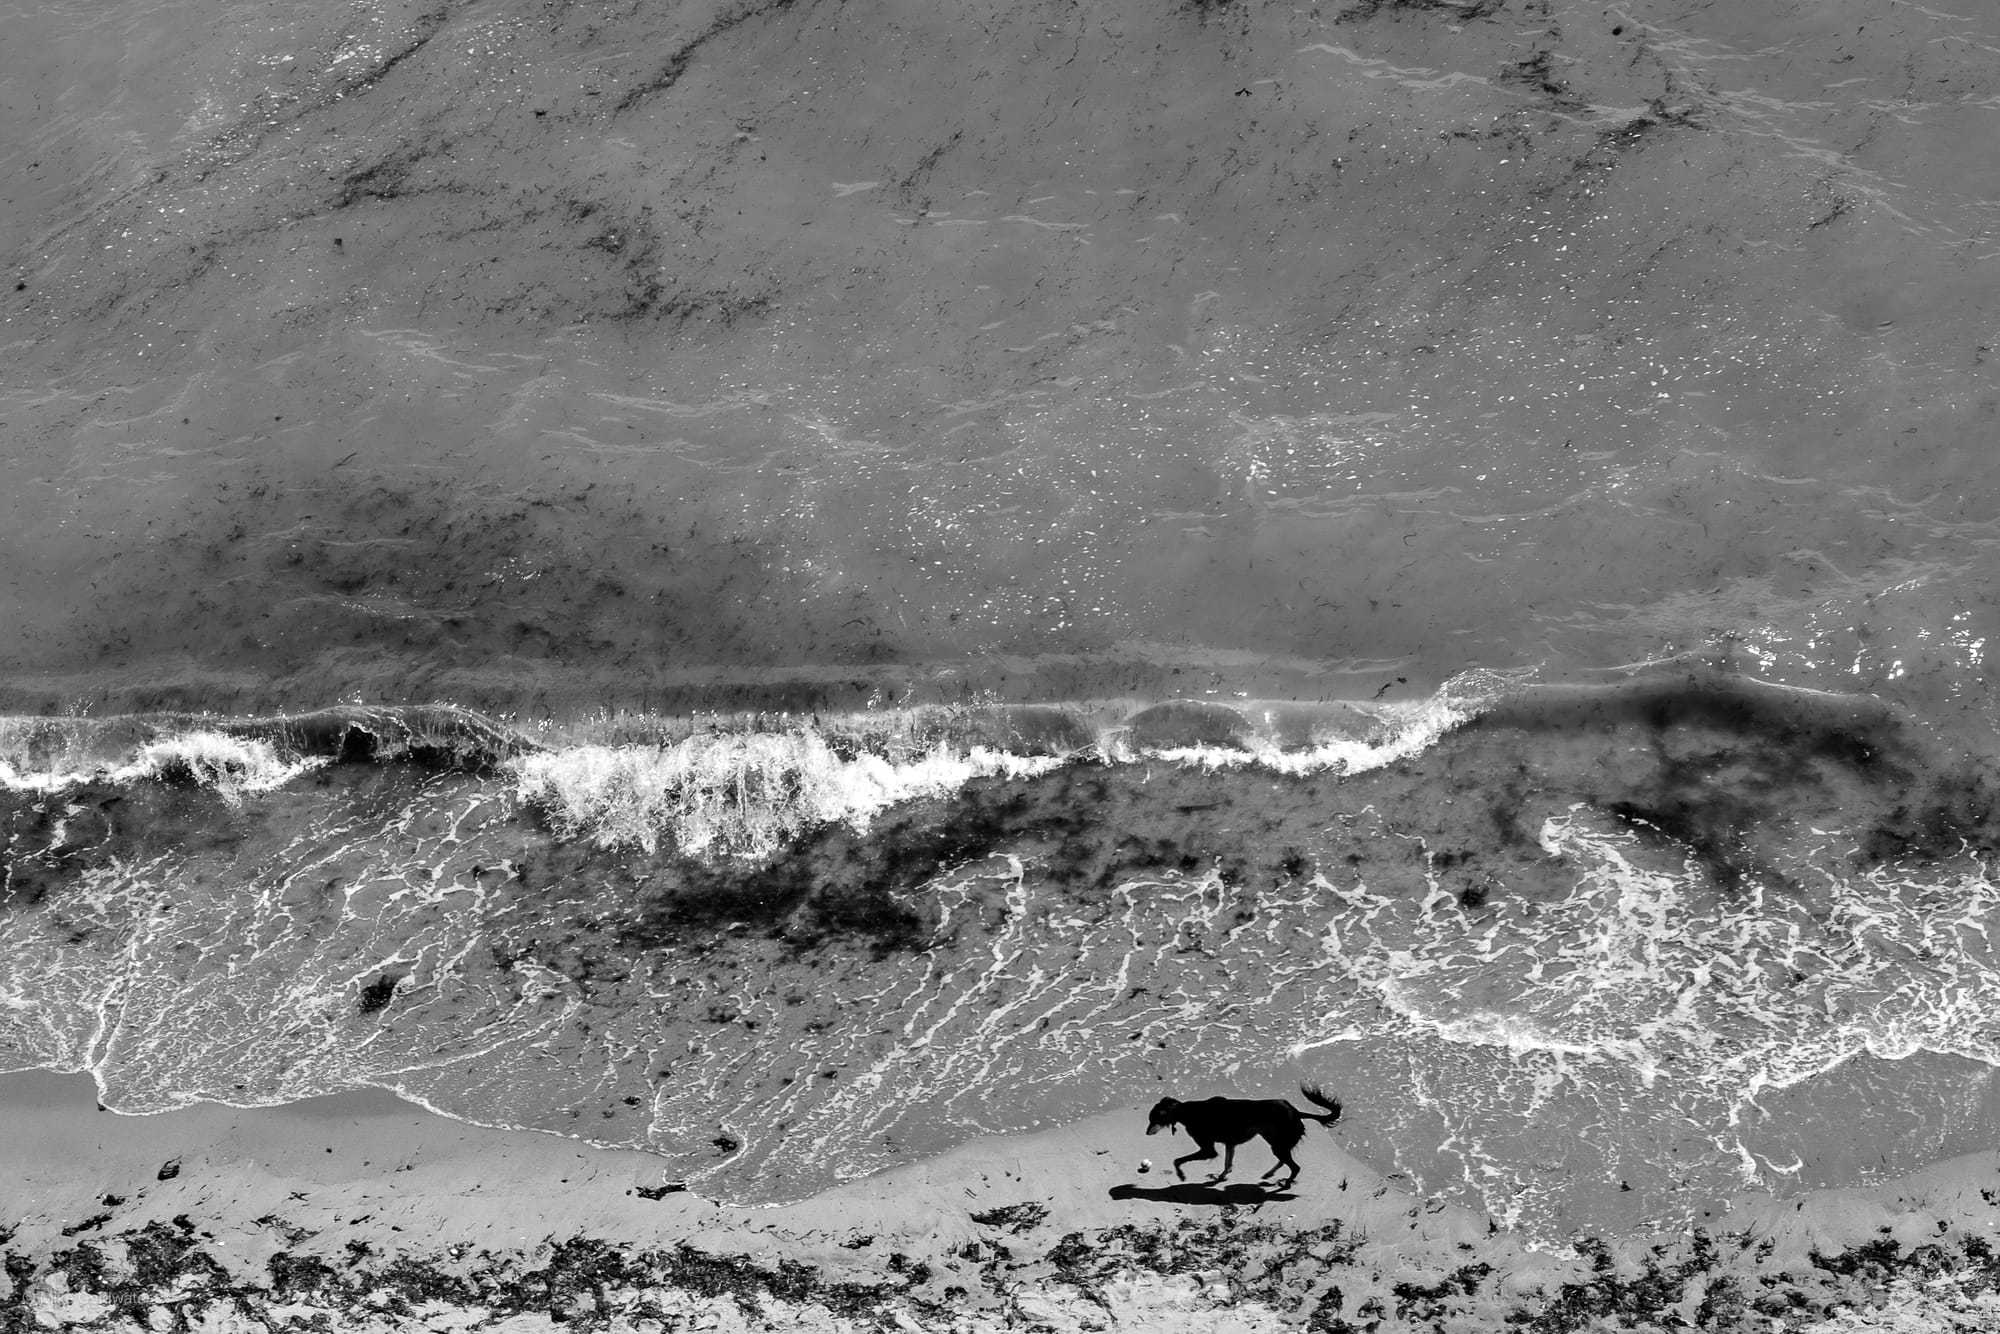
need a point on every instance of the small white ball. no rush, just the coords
(1145, 1164)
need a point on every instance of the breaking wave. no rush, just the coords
(737, 794)
(736, 786)
(233, 766)
(50, 753)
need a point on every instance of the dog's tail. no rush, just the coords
(1332, 1105)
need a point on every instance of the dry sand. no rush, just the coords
(361, 1211)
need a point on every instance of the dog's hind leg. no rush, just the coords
(1284, 1152)
(1207, 1150)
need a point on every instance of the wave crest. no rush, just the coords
(231, 765)
(234, 766)
(738, 794)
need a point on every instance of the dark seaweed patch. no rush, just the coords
(661, 1192)
(300, 1277)
(384, 179)
(1020, 1217)
(1609, 1295)
(1463, 11)
(1709, 827)
(677, 63)
(926, 164)
(1076, 826)
(1536, 71)
(1876, 1259)
(376, 995)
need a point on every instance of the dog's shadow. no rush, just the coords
(1195, 1192)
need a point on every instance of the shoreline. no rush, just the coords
(376, 1214)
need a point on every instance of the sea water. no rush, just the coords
(1448, 560)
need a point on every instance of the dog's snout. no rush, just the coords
(1152, 1130)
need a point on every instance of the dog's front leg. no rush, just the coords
(1228, 1163)
(1205, 1151)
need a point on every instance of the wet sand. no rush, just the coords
(373, 1213)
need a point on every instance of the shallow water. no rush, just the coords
(743, 432)
(1561, 948)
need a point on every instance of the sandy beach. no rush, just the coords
(359, 1211)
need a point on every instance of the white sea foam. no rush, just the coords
(746, 793)
(1709, 999)
(740, 794)
(1348, 737)
(1401, 730)
(232, 766)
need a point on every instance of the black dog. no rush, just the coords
(1233, 1121)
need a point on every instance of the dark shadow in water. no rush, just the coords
(1193, 1192)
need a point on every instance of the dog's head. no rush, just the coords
(1165, 1116)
